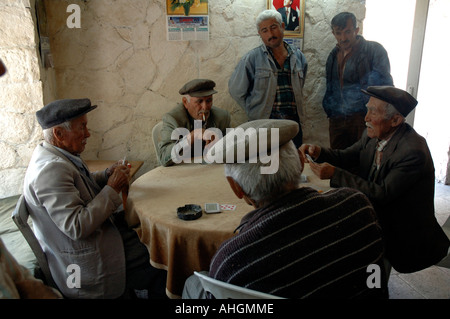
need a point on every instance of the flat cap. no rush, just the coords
(401, 100)
(60, 111)
(198, 88)
(252, 140)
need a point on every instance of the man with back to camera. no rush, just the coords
(268, 81)
(76, 214)
(354, 64)
(297, 242)
(396, 172)
(197, 105)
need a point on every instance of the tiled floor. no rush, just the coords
(430, 283)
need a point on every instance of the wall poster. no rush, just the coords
(187, 20)
(293, 14)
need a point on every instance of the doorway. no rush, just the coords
(414, 33)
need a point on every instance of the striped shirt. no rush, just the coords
(306, 245)
(284, 106)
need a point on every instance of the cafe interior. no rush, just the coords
(126, 58)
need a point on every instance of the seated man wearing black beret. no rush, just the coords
(396, 172)
(76, 215)
(195, 114)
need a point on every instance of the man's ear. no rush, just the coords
(184, 100)
(58, 133)
(397, 119)
(235, 187)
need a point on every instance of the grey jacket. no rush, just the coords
(253, 83)
(70, 215)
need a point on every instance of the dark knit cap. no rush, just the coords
(198, 88)
(401, 100)
(60, 111)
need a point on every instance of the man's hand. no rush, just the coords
(120, 177)
(196, 134)
(110, 170)
(312, 150)
(199, 134)
(322, 170)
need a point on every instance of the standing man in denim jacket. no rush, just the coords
(268, 81)
(352, 65)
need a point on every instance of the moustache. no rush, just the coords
(273, 38)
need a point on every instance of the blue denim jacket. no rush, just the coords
(253, 83)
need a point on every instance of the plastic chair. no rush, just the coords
(224, 290)
(156, 136)
(20, 217)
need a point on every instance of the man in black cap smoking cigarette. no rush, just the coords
(396, 172)
(297, 242)
(76, 213)
(197, 105)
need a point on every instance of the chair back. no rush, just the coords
(224, 290)
(20, 217)
(156, 136)
(445, 262)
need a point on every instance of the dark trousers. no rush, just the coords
(346, 130)
(140, 275)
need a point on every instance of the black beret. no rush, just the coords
(401, 100)
(60, 111)
(198, 88)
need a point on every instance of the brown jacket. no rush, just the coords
(402, 193)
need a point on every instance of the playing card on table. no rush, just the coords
(227, 207)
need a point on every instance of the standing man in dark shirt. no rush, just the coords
(354, 64)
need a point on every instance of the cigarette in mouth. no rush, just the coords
(204, 119)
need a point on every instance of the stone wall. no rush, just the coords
(121, 60)
(21, 92)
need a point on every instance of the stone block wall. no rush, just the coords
(21, 92)
(120, 58)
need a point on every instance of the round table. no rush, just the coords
(184, 246)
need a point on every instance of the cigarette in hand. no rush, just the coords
(124, 160)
